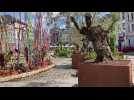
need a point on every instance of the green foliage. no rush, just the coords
(30, 36)
(119, 56)
(108, 22)
(91, 55)
(21, 59)
(113, 29)
(112, 43)
(7, 57)
(63, 52)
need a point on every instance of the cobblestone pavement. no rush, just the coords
(60, 76)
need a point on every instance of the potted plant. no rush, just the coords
(105, 71)
(77, 57)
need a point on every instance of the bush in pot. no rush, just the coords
(105, 71)
(77, 56)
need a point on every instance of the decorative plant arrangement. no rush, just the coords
(104, 70)
(32, 42)
(21, 56)
(61, 51)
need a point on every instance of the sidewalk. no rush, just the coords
(59, 76)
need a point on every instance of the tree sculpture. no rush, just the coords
(98, 36)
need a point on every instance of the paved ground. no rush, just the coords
(60, 76)
(130, 56)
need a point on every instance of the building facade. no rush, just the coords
(66, 35)
(54, 36)
(16, 33)
(126, 35)
(61, 35)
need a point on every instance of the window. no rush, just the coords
(128, 16)
(123, 26)
(129, 42)
(123, 15)
(132, 25)
(132, 16)
(128, 28)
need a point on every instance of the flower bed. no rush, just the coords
(26, 74)
(4, 73)
(9, 72)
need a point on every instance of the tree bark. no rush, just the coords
(98, 37)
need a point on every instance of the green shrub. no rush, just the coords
(119, 56)
(91, 55)
(112, 43)
(63, 52)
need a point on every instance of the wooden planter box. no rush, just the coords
(76, 60)
(111, 74)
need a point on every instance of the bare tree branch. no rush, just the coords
(88, 20)
(93, 17)
(75, 23)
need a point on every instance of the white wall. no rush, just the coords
(128, 26)
(131, 41)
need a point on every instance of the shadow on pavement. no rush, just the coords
(63, 66)
(37, 84)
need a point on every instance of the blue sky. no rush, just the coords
(104, 13)
(22, 13)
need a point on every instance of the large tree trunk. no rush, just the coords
(98, 37)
